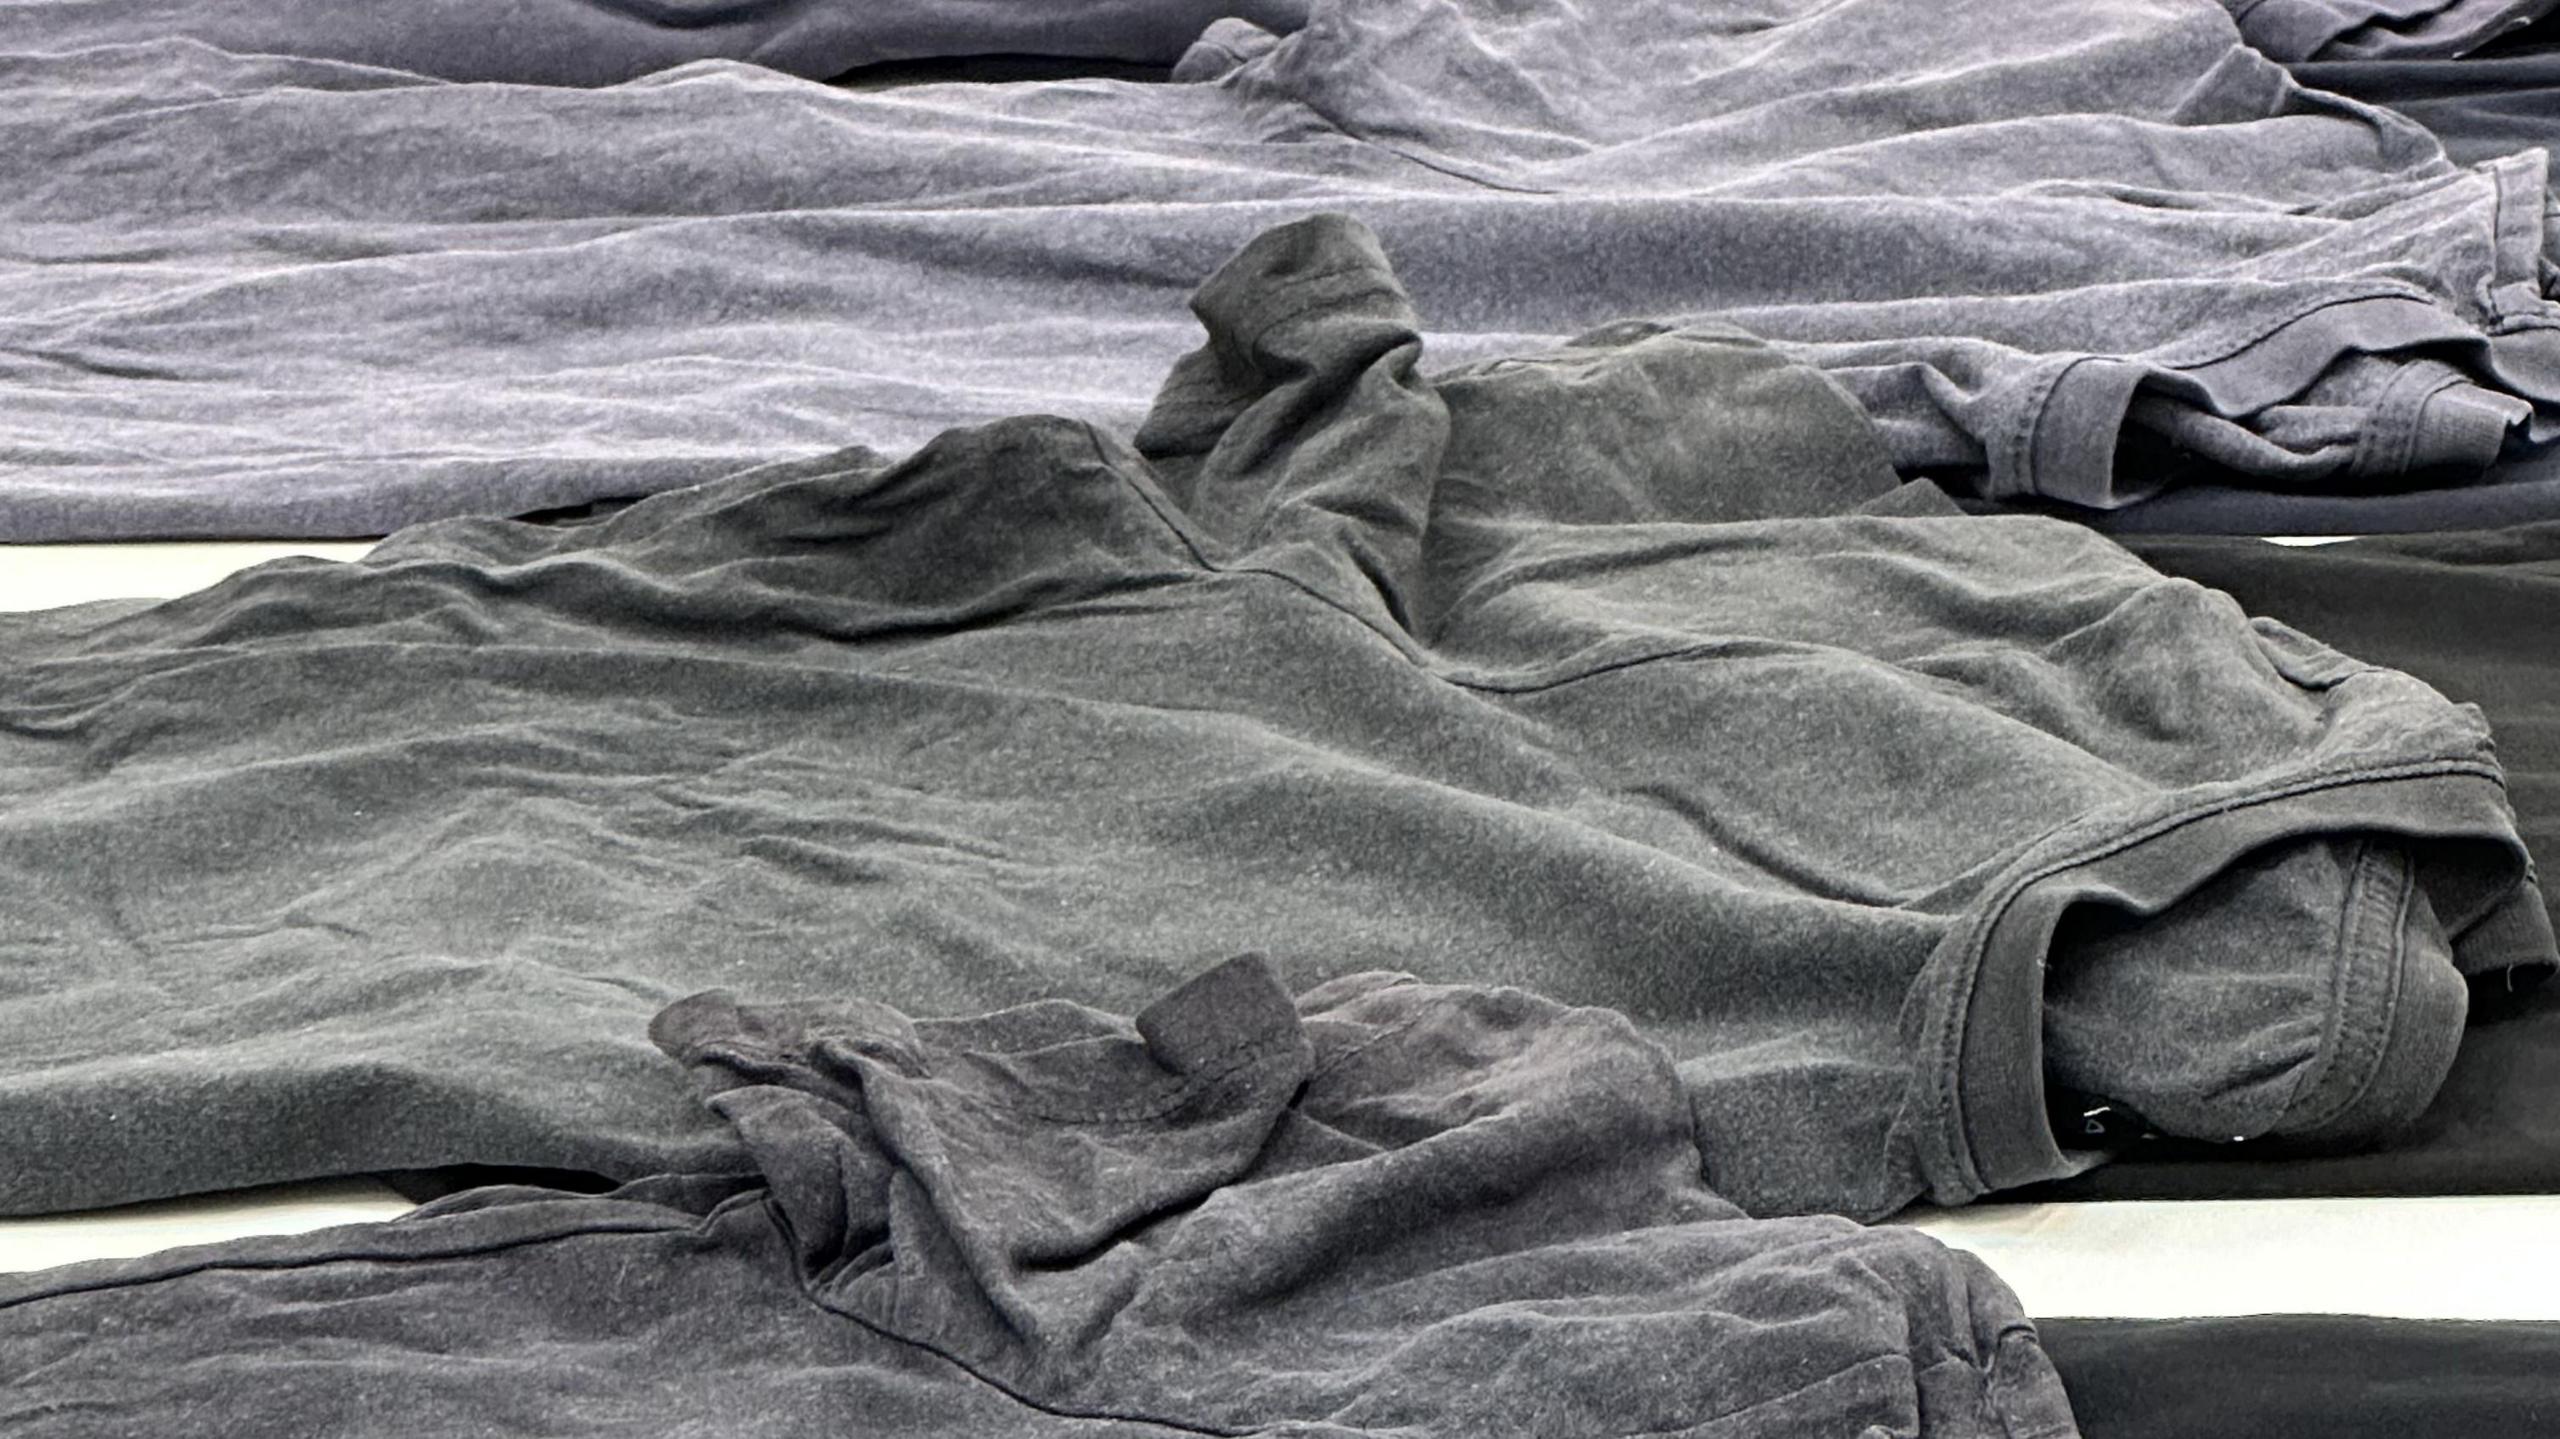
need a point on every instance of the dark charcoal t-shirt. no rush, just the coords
(1387, 1209)
(2307, 1376)
(2481, 106)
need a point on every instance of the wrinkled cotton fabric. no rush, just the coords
(599, 42)
(2074, 252)
(1624, 673)
(1388, 1209)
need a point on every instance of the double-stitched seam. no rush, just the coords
(2213, 346)
(2398, 418)
(313, 1261)
(2022, 443)
(2373, 937)
(1415, 653)
(1949, 1007)
(2210, 347)
(2517, 235)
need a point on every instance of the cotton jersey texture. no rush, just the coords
(255, 294)
(597, 42)
(1389, 1209)
(2474, 617)
(1558, 671)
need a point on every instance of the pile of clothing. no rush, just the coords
(1293, 718)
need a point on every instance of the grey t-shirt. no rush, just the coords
(598, 42)
(1390, 1209)
(2069, 249)
(1580, 671)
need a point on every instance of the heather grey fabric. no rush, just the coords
(293, 296)
(2380, 29)
(597, 42)
(1391, 1209)
(1558, 671)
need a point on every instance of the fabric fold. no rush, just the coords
(2062, 253)
(1377, 1208)
(1619, 671)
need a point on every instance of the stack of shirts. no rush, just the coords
(2076, 254)
(913, 836)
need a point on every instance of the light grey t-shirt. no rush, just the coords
(2068, 249)
(598, 42)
